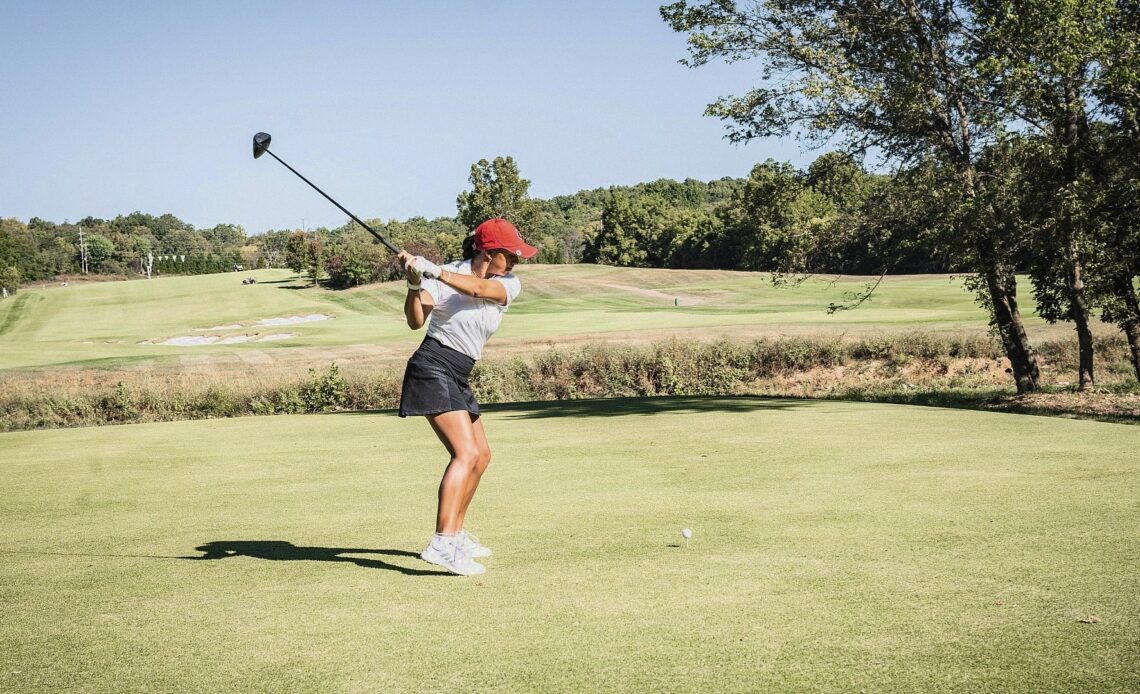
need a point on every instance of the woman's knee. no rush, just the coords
(469, 456)
(484, 459)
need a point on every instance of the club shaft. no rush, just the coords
(356, 219)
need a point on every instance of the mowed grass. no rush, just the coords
(837, 547)
(113, 325)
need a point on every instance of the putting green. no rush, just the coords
(837, 546)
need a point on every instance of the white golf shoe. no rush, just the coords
(472, 546)
(449, 553)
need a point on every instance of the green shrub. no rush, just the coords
(770, 366)
(117, 406)
(323, 392)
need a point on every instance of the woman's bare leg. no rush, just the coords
(481, 464)
(457, 433)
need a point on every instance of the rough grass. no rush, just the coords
(837, 547)
(85, 354)
(918, 368)
(17, 309)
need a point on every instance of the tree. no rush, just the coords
(99, 250)
(10, 231)
(771, 220)
(1119, 254)
(272, 246)
(296, 252)
(10, 278)
(840, 178)
(497, 190)
(1119, 91)
(618, 242)
(900, 76)
(315, 259)
(223, 235)
(356, 262)
(1043, 57)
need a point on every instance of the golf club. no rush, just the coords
(261, 146)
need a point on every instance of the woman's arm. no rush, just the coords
(417, 307)
(475, 287)
(418, 303)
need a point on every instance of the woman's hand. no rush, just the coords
(428, 269)
(409, 262)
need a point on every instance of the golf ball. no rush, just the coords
(686, 533)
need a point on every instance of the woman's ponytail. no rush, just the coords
(469, 247)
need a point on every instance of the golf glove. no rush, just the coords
(427, 268)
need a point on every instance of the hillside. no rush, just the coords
(211, 322)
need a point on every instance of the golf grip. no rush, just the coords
(356, 219)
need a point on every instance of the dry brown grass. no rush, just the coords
(917, 368)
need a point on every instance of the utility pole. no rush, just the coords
(82, 250)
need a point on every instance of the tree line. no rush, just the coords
(1014, 126)
(832, 217)
(1011, 129)
(124, 246)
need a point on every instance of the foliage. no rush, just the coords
(906, 80)
(323, 392)
(314, 259)
(497, 190)
(10, 278)
(297, 252)
(874, 367)
(100, 249)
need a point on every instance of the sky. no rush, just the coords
(113, 107)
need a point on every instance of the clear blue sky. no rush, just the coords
(111, 107)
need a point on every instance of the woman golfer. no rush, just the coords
(465, 303)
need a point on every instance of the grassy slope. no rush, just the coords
(102, 324)
(837, 546)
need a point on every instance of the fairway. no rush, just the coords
(122, 325)
(837, 546)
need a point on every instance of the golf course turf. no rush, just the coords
(116, 325)
(837, 546)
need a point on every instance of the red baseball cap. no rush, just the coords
(499, 233)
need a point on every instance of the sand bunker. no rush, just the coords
(198, 340)
(293, 319)
(287, 320)
(191, 340)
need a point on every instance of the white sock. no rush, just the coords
(442, 540)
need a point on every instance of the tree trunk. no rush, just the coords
(1002, 286)
(1079, 312)
(1131, 330)
(1075, 133)
(1130, 323)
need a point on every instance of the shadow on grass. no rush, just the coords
(619, 407)
(279, 550)
(1067, 404)
(983, 400)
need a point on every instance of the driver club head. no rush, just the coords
(260, 144)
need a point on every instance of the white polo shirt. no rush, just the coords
(463, 322)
